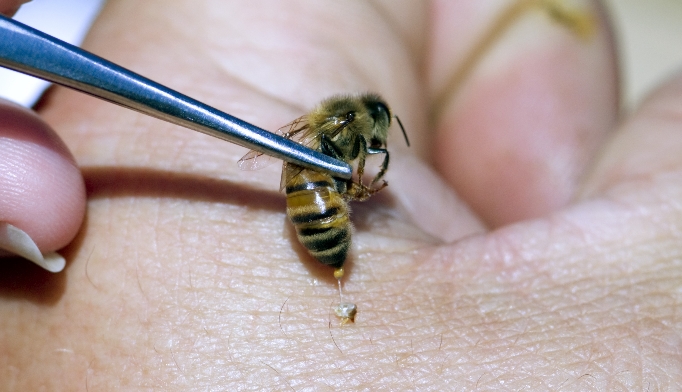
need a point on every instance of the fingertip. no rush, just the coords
(516, 134)
(41, 188)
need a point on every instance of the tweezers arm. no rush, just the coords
(32, 52)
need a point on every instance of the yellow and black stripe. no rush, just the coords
(320, 216)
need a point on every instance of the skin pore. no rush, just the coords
(529, 238)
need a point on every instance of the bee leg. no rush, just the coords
(365, 191)
(351, 190)
(384, 164)
(359, 192)
(328, 147)
(360, 152)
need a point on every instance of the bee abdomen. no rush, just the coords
(320, 216)
(304, 218)
(330, 246)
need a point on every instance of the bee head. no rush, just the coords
(381, 114)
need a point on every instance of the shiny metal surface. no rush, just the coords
(32, 52)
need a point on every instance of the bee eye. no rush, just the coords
(379, 111)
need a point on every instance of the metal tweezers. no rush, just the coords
(35, 53)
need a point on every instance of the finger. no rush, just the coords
(430, 203)
(647, 146)
(522, 100)
(10, 7)
(41, 189)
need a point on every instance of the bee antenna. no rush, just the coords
(407, 141)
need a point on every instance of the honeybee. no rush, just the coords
(348, 128)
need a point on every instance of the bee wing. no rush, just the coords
(332, 128)
(300, 131)
(255, 160)
(289, 171)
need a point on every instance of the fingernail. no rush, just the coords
(14, 241)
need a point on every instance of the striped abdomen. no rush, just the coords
(320, 216)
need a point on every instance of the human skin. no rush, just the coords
(41, 187)
(564, 275)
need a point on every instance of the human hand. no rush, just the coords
(185, 274)
(42, 197)
(10, 7)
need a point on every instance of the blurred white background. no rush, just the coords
(649, 34)
(68, 20)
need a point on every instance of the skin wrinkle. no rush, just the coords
(254, 87)
(365, 73)
(336, 52)
(503, 22)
